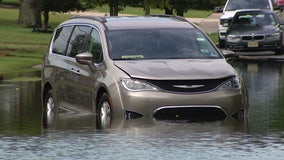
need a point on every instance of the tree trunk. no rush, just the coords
(45, 20)
(37, 13)
(147, 7)
(179, 12)
(115, 7)
(26, 13)
(111, 12)
(168, 11)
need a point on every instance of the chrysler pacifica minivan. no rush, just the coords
(156, 66)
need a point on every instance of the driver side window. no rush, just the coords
(94, 46)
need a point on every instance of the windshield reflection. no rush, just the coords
(159, 44)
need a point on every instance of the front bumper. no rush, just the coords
(152, 103)
(261, 46)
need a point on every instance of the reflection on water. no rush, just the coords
(265, 81)
(20, 108)
(77, 136)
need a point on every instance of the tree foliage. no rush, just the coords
(178, 7)
(46, 6)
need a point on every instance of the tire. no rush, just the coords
(279, 51)
(104, 112)
(50, 109)
(222, 43)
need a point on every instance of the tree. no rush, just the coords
(114, 5)
(214, 3)
(180, 6)
(26, 14)
(147, 6)
(62, 6)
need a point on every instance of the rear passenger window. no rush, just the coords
(78, 40)
(60, 40)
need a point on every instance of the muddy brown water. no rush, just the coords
(76, 136)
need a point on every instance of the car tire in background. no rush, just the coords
(280, 51)
(222, 43)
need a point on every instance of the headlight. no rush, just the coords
(233, 38)
(225, 22)
(275, 36)
(136, 85)
(232, 83)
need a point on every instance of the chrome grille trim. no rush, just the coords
(253, 38)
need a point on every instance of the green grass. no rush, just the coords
(213, 37)
(11, 2)
(140, 11)
(20, 48)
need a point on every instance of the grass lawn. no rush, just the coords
(20, 48)
(11, 2)
(140, 11)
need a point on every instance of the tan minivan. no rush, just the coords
(155, 66)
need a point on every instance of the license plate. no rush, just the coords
(253, 44)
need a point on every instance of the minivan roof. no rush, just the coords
(138, 22)
(114, 23)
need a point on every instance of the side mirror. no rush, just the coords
(86, 58)
(229, 54)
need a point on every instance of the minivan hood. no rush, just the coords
(182, 69)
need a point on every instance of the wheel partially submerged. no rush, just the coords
(50, 109)
(104, 112)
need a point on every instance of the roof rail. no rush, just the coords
(169, 16)
(96, 18)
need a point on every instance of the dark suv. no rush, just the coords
(138, 66)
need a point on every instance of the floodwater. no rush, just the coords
(73, 136)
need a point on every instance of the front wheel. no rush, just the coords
(49, 109)
(104, 112)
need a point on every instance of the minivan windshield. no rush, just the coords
(159, 44)
(247, 4)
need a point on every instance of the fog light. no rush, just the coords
(132, 115)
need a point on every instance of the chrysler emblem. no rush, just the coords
(188, 86)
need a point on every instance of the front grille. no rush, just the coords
(188, 86)
(253, 37)
(258, 37)
(247, 38)
(191, 113)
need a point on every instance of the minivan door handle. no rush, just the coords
(76, 71)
